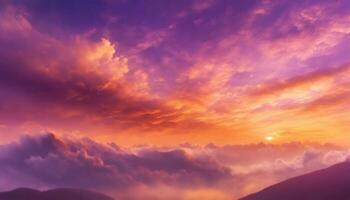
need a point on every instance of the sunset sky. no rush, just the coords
(194, 77)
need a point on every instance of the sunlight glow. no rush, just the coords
(269, 138)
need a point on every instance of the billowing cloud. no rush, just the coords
(49, 161)
(76, 78)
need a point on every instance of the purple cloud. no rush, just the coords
(48, 161)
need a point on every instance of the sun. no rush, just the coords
(269, 138)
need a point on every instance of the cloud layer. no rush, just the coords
(48, 161)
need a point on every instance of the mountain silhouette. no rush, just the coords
(332, 183)
(55, 194)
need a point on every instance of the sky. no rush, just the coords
(167, 86)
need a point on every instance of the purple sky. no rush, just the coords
(167, 73)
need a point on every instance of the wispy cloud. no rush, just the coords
(179, 68)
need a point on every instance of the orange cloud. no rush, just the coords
(302, 80)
